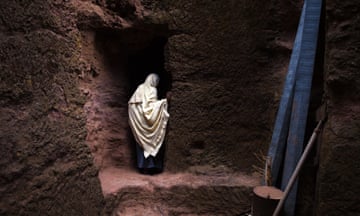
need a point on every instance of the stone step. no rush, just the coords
(130, 193)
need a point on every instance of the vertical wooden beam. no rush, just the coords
(278, 140)
(300, 106)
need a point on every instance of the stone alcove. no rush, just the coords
(119, 61)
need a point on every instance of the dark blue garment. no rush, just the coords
(150, 165)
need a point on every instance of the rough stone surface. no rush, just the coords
(225, 71)
(224, 63)
(227, 62)
(46, 166)
(213, 192)
(69, 67)
(183, 200)
(338, 183)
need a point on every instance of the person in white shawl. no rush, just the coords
(148, 118)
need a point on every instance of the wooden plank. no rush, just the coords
(278, 140)
(299, 113)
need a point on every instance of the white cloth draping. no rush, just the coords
(148, 116)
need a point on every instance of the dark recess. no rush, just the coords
(132, 54)
(129, 56)
(150, 60)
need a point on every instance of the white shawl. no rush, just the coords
(148, 116)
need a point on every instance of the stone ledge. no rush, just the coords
(130, 193)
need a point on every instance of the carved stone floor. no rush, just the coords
(214, 193)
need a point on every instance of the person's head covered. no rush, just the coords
(152, 80)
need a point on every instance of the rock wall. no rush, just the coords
(46, 167)
(338, 180)
(224, 63)
(69, 67)
(227, 60)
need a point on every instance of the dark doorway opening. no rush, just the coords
(129, 55)
(132, 54)
(150, 60)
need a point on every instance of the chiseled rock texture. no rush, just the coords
(339, 175)
(68, 67)
(182, 200)
(46, 166)
(228, 61)
(223, 61)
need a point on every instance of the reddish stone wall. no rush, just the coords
(228, 62)
(46, 167)
(67, 80)
(338, 183)
(225, 63)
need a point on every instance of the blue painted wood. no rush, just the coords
(278, 140)
(300, 106)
